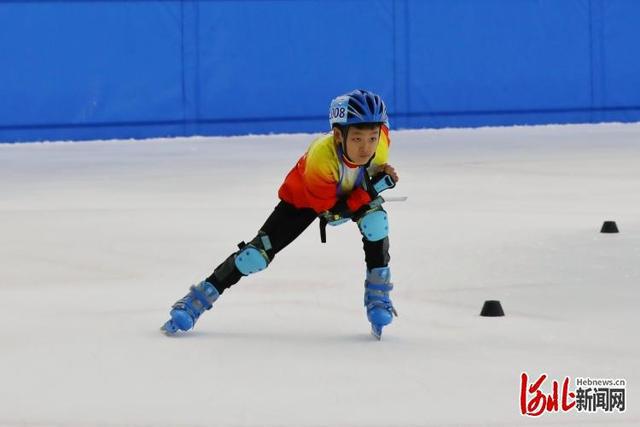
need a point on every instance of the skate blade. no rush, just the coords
(376, 331)
(169, 328)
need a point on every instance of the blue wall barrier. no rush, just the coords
(75, 69)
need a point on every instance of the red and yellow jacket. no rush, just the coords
(323, 175)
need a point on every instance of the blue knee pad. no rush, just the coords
(253, 257)
(251, 260)
(374, 225)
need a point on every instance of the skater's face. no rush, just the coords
(361, 143)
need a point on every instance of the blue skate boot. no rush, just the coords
(185, 312)
(380, 309)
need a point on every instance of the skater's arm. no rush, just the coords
(320, 177)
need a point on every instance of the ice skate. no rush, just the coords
(380, 310)
(186, 311)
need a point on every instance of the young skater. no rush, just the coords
(338, 179)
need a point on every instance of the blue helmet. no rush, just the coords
(358, 106)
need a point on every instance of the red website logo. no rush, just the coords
(534, 402)
(591, 395)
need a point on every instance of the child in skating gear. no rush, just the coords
(338, 180)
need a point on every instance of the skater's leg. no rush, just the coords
(283, 226)
(286, 223)
(376, 254)
(380, 310)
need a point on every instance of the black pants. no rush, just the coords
(283, 226)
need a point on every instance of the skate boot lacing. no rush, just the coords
(377, 296)
(200, 298)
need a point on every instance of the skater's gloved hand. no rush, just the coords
(338, 214)
(381, 182)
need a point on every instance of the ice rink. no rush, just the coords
(100, 238)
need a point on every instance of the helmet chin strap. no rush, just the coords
(345, 131)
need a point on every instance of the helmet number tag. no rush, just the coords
(338, 110)
(338, 113)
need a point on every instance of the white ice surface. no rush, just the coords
(99, 239)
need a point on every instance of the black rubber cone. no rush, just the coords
(609, 227)
(492, 309)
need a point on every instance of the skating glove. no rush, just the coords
(338, 214)
(381, 182)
